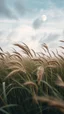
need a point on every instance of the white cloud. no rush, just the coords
(18, 31)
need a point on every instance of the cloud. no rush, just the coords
(20, 34)
(52, 37)
(24, 30)
(1, 32)
(5, 11)
(63, 33)
(37, 23)
(53, 13)
(53, 18)
(58, 3)
(27, 34)
(20, 7)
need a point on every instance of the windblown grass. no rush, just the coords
(33, 82)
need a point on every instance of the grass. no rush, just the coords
(32, 82)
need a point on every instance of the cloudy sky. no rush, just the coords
(33, 22)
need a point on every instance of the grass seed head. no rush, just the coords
(40, 72)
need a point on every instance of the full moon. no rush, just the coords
(44, 17)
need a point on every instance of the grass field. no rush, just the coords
(30, 82)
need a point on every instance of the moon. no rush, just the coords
(44, 17)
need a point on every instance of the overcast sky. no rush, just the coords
(33, 22)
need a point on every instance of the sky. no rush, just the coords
(33, 22)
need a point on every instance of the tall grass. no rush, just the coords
(32, 82)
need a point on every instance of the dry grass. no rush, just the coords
(42, 73)
(58, 103)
